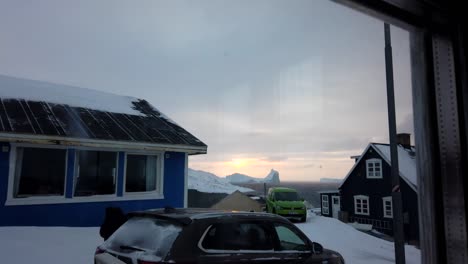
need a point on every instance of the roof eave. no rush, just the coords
(96, 143)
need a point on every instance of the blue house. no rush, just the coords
(67, 153)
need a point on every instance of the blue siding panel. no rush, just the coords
(70, 173)
(120, 173)
(89, 213)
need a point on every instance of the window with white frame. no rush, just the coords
(96, 173)
(374, 168)
(361, 205)
(325, 205)
(387, 207)
(142, 173)
(39, 172)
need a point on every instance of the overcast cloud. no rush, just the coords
(298, 86)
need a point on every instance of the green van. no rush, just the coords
(286, 202)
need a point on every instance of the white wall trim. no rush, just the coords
(387, 199)
(362, 198)
(120, 145)
(374, 161)
(82, 199)
(325, 209)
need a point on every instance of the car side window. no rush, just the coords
(237, 236)
(289, 240)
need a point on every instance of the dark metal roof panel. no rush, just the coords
(42, 118)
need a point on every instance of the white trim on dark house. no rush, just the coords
(361, 205)
(387, 202)
(325, 205)
(374, 169)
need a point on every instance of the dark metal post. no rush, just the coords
(398, 231)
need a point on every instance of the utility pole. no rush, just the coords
(398, 231)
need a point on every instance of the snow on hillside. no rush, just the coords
(330, 180)
(76, 245)
(272, 177)
(208, 182)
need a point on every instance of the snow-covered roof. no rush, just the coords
(35, 108)
(39, 91)
(406, 162)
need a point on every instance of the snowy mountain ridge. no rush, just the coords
(272, 177)
(210, 183)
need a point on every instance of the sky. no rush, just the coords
(295, 86)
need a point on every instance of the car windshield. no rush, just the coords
(286, 196)
(149, 237)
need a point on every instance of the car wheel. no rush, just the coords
(303, 219)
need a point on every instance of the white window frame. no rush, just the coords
(77, 171)
(373, 175)
(11, 199)
(325, 209)
(361, 198)
(385, 212)
(159, 192)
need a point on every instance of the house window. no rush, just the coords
(96, 173)
(387, 207)
(374, 168)
(39, 172)
(361, 205)
(325, 208)
(142, 173)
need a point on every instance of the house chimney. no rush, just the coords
(404, 140)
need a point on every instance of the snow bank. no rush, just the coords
(73, 245)
(51, 245)
(355, 246)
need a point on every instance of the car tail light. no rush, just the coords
(99, 251)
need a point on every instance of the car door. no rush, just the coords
(292, 246)
(238, 242)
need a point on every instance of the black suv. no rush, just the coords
(207, 236)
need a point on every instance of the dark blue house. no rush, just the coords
(366, 192)
(67, 153)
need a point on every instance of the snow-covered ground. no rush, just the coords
(58, 245)
(355, 246)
